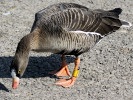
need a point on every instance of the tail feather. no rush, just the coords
(123, 23)
(112, 21)
(116, 10)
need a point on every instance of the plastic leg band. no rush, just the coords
(75, 73)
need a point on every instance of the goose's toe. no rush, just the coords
(66, 82)
(61, 72)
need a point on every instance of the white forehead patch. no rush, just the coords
(13, 73)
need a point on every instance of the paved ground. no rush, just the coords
(106, 71)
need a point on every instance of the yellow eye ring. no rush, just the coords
(19, 71)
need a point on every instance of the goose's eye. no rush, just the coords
(19, 71)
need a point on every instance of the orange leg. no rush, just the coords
(63, 71)
(70, 82)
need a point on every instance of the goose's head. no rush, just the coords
(17, 69)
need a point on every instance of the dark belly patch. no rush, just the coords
(75, 52)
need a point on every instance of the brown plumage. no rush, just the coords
(67, 29)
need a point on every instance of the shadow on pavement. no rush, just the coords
(37, 67)
(2, 87)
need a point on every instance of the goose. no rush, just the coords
(65, 29)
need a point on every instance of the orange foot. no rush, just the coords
(61, 73)
(66, 82)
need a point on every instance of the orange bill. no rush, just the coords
(15, 82)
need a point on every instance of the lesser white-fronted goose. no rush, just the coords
(66, 29)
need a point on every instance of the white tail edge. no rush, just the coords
(125, 23)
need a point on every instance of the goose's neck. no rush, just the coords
(21, 57)
(22, 53)
(24, 46)
(28, 43)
